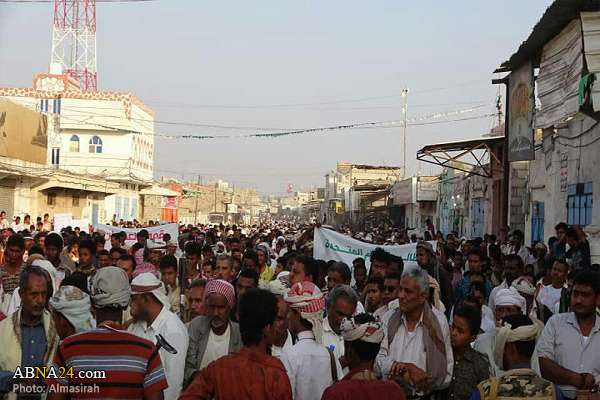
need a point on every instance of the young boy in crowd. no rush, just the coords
(470, 366)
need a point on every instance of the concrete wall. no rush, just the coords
(123, 153)
(579, 142)
(518, 190)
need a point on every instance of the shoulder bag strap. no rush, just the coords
(393, 325)
(494, 388)
(334, 377)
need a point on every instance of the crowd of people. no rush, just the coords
(232, 312)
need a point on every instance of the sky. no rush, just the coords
(282, 65)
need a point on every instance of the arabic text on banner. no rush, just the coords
(331, 245)
(155, 232)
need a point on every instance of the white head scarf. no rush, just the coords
(505, 334)
(47, 265)
(74, 305)
(147, 282)
(510, 297)
(110, 288)
(279, 285)
(523, 285)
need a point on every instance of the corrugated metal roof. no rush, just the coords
(590, 22)
(558, 80)
(555, 18)
(463, 144)
(365, 166)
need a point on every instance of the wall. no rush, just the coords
(579, 142)
(63, 202)
(109, 115)
(151, 208)
(518, 190)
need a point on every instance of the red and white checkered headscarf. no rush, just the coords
(371, 332)
(147, 282)
(307, 299)
(139, 256)
(145, 268)
(220, 286)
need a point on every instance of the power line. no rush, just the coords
(330, 102)
(330, 128)
(311, 108)
(290, 132)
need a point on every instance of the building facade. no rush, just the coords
(102, 135)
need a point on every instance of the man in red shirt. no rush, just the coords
(251, 373)
(362, 335)
(131, 365)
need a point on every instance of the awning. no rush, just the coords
(63, 180)
(159, 191)
(474, 156)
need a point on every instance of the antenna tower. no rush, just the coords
(74, 41)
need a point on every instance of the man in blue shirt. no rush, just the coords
(27, 337)
(560, 246)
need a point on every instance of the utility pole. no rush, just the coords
(404, 109)
(216, 188)
(196, 207)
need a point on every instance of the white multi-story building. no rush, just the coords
(109, 135)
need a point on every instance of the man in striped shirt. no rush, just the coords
(131, 365)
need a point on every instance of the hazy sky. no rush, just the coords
(287, 64)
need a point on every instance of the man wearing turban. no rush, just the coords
(507, 302)
(362, 335)
(212, 336)
(513, 351)
(311, 366)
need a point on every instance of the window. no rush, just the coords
(134, 208)
(118, 208)
(96, 145)
(537, 222)
(126, 207)
(74, 144)
(55, 156)
(56, 106)
(51, 199)
(579, 204)
(75, 200)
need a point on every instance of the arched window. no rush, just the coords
(95, 145)
(74, 144)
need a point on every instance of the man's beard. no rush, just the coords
(216, 323)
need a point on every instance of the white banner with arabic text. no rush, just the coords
(155, 232)
(331, 245)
